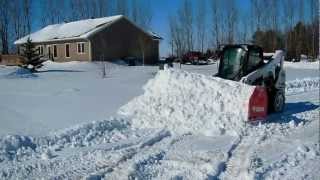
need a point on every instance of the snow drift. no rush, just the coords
(187, 102)
(18, 147)
(302, 85)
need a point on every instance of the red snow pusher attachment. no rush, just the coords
(258, 105)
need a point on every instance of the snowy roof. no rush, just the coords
(155, 35)
(73, 30)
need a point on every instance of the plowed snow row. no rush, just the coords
(188, 102)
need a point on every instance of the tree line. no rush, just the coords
(199, 25)
(292, 25)
(16, 16)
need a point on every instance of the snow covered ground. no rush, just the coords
(62, 95)
(47, 129)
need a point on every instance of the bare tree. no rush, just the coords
(274, 14)
(141, 13)
(272, 19)
(201, 23)
(301, 10)
(121, 7)
(231, 19)
(288, 15)
(176, 36)
(27, 15)
(4, 25)
(243, 28)
(102, 7)
(256, 14)
(135, 11)
(314, 18)
(80, 9)
(185, 15)
(216, 8)
(17, 18)
(53, 12)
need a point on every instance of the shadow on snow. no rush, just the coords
(289, 113)
(58, 71)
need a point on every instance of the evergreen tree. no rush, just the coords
(32, 59)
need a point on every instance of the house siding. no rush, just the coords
(123, 39)
(61, 51)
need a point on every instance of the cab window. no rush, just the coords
(254, 60)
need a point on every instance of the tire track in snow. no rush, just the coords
(238, 165)
(240, 155)
(96, 161)
(98, 167)
(134, 168)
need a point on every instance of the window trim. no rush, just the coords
(49, 48)
(41, 49)
(55, 46)
(81, 50)
(65, 50)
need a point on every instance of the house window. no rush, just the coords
(55, 51)
(67, 50)
(80, 48)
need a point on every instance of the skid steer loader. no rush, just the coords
(246, 63)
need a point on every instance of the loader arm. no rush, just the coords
(271, 69)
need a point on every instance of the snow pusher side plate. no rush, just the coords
(258, 105)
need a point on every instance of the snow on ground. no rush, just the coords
(303, 65)
(74, 94)
(63, 95)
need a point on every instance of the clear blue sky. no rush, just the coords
(162, 9)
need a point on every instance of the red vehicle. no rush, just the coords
(193, 57)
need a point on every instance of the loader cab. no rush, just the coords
(239, 60)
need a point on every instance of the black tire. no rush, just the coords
(278, 101)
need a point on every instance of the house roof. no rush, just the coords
(155, 35)
(82, 29)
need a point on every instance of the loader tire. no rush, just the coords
(278, 101)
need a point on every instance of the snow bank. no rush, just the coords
(17, 147)
(302, 85)
(187, 102)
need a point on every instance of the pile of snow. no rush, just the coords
(90, 133)
(17, 147)
(21, 73)
(302, 85)
(187, 102)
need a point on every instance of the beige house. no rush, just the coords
(100, 39)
